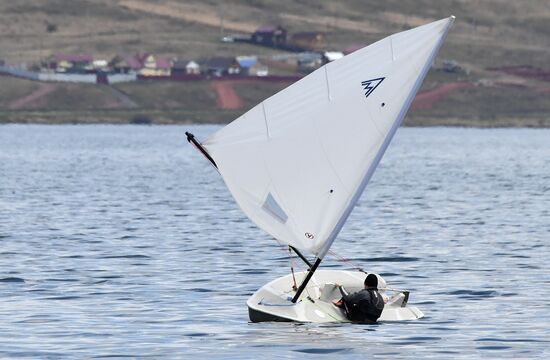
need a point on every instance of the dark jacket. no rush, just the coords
(364, 306)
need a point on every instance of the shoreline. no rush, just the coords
(444, 101)
(217, 119)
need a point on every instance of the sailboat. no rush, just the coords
(298, 162)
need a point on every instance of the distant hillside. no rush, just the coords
(489, 31)
(487, 34)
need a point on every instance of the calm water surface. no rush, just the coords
(121, 241)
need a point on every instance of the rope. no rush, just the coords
(294, 286)
(347, 261)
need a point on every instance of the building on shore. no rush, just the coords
(270, 35)
(70, 63)
(185, 67)
(220, 66)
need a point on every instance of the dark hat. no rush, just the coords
(371, 281)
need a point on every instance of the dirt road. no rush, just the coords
(227, 98)
(427, 99)
(24, 101)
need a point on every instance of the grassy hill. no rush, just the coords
(489, 33)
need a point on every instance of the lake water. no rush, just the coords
(122, 241)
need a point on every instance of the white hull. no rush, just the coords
(272, 301)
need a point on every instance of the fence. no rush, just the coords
(119, 78)
(71, 78)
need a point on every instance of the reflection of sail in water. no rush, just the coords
(298, 162)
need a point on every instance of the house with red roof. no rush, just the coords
(144, 64)
(154, 65)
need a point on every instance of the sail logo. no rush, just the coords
(370, 85)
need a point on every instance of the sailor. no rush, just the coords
(364, 306)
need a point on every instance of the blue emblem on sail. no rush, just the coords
(370, 85)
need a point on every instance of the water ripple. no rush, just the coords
(121, 241)
(12, 280)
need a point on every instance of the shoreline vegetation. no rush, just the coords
(224, 117)
(446, 99)
(451, 123)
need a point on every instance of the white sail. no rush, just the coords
(298, 162)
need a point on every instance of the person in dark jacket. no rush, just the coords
(363, 306)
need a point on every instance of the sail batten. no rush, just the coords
(298, 163)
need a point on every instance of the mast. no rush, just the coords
(277, 180)
(306, 280)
